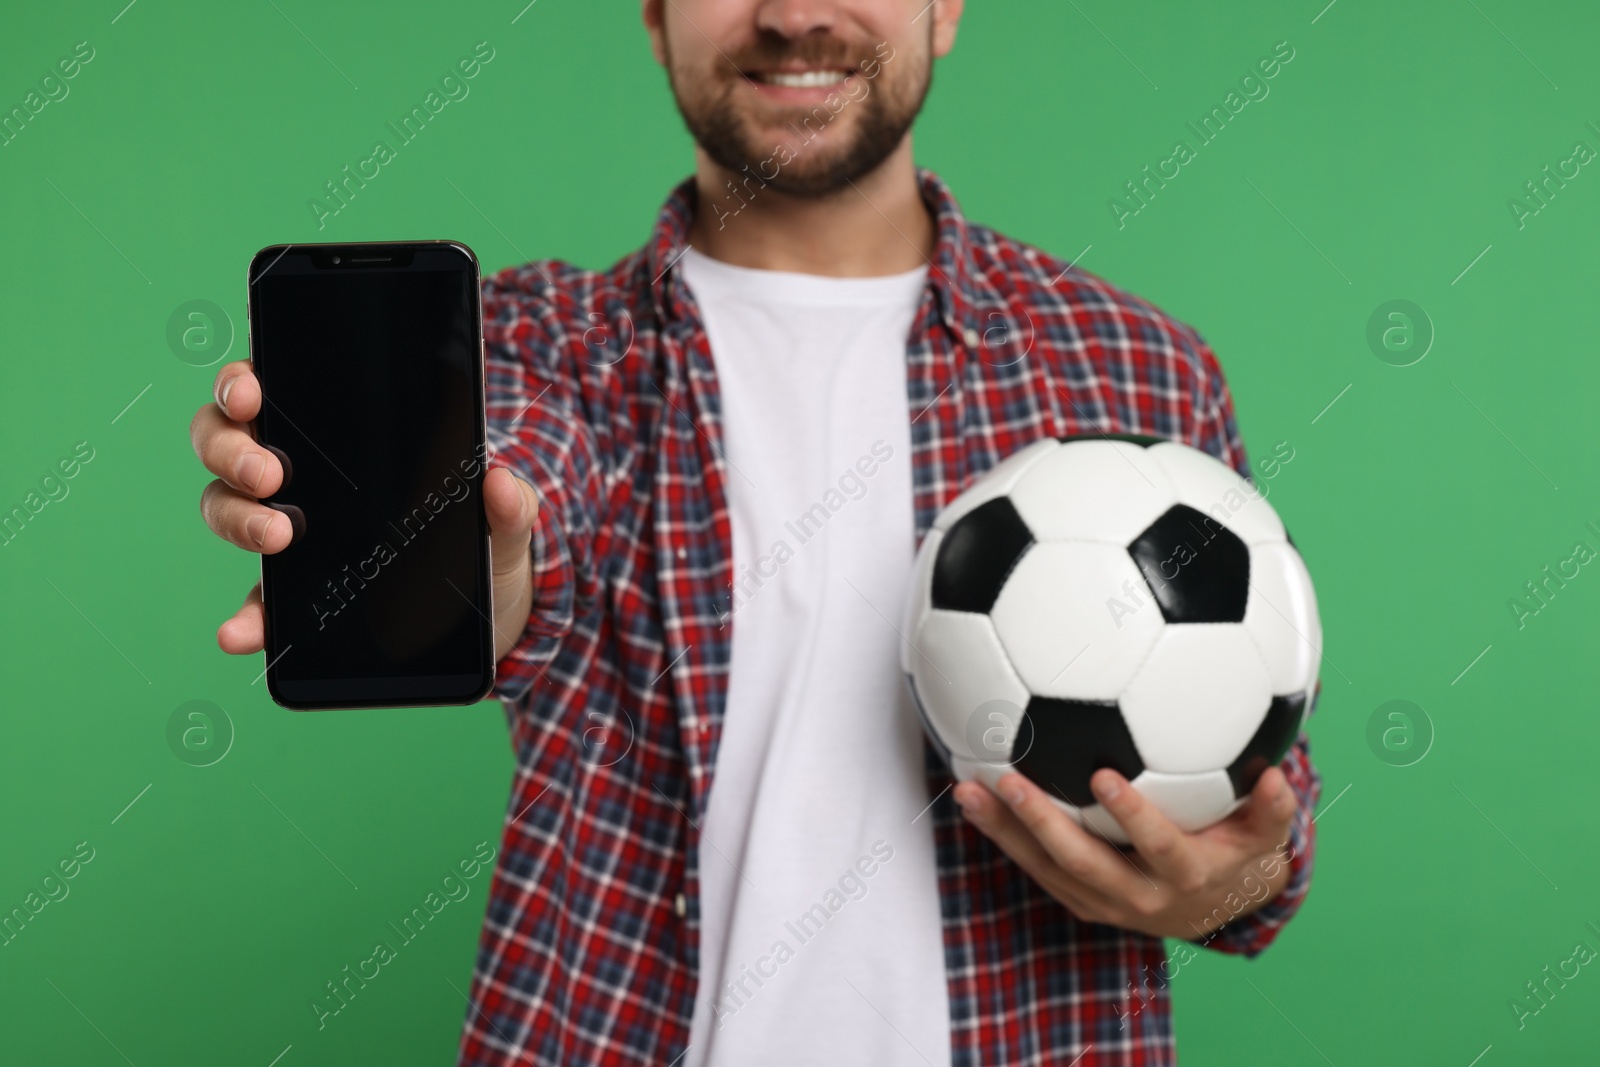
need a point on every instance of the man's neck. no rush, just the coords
(877, 225)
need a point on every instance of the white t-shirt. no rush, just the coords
(820, 936)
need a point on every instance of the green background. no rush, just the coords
(1378, 168)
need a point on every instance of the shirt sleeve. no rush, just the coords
(535, 424)
(1249, 935)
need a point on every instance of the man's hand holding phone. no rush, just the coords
(224, 439)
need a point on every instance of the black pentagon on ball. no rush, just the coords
(1068, 740)
(1143, 440)
(976, 554)
(1271, 741)
(1198, 569)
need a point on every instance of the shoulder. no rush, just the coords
(1072, 313)
(554, 305)
(566, 353)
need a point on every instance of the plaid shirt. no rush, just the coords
(602, 394)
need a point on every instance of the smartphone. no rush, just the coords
(370, 359)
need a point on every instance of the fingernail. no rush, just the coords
(297, 520)
(256, 526)
(1011, 792)
(283, 461)
(249, 470)
(222, 398)
(1109, 789)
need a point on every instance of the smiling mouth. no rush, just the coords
(799, 79)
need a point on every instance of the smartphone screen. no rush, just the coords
(370, 360)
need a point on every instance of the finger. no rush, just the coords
(242, 521)
(1269, 812)
(245, 633)
(986, 811)
(237, 391)
(1261, 823)
(1084, 857)
(511, 505)
(1167, 849)
(227, 450)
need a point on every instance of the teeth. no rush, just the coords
(810, 79)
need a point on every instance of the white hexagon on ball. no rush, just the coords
(995, 483)
(1212, 487)
(1055, 623)
(959, 667)
(1185, 714)
(919, 596)
(1191, 801)
(1281, 615)
(1107, 491)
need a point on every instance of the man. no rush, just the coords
(727, 842)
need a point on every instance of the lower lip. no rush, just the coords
(787, 94)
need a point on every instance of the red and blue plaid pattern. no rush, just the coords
(602, 394)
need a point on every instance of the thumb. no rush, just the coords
(512, 507)
(1272, 804)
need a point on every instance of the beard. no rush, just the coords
(881, 111)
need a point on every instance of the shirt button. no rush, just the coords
(683, 553)
(972, 338)
(680, 905)
(705, 726)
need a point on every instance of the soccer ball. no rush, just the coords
(1114, 601)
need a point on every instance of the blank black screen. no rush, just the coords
(372, 387)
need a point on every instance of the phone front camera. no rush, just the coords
(336, 259)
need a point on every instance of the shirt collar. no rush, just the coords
(959, 287)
